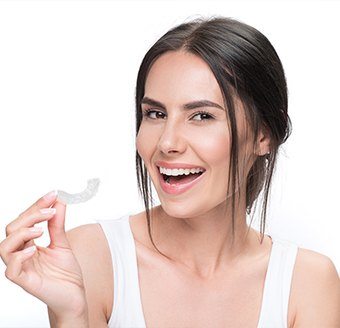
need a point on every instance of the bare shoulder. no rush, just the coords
(316, 287)
(90, 247)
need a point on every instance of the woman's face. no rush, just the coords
(178, 135)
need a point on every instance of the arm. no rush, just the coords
(81, 321)
(319, 292)
(86, 246)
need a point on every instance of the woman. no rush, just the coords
(211, 105)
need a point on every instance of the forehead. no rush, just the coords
(178, 77)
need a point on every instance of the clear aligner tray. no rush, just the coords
(84, 196)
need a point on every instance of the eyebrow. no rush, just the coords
(188, 106)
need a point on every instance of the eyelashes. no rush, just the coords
(208, 116)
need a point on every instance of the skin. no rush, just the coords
(192, 227)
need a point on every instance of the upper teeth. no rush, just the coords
(176, 172)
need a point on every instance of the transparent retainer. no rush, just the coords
(84, 196)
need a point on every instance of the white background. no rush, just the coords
(67, 81)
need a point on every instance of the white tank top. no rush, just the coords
(127, 311)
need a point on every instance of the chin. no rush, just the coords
(181, 210)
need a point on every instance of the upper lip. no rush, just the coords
(178, 165)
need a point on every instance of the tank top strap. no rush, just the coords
(127, 306)
(274, 309)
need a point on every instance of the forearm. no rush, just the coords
(81, 321)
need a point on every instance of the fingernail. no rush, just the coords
(51, 195)
(48, 210)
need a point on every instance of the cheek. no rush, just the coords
(215, 153)
(214, 148)
(144, 143)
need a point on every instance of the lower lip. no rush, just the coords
(178, 188)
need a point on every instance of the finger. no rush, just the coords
(37, 217)
(14, 270)
(43, 202)
(56, 227)
(18, 241)
(16, 236)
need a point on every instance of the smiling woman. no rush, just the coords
(211, 114)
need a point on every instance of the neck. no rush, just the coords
(203, 243)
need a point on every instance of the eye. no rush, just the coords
(148, 112)
(207, 116)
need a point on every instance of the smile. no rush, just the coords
(178, 183)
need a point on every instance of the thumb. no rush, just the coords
(56, 227)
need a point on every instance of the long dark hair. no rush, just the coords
(246, 66)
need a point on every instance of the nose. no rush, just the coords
(171, 139)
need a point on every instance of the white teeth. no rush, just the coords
(176, 172)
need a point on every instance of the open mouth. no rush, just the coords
(179, 179)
